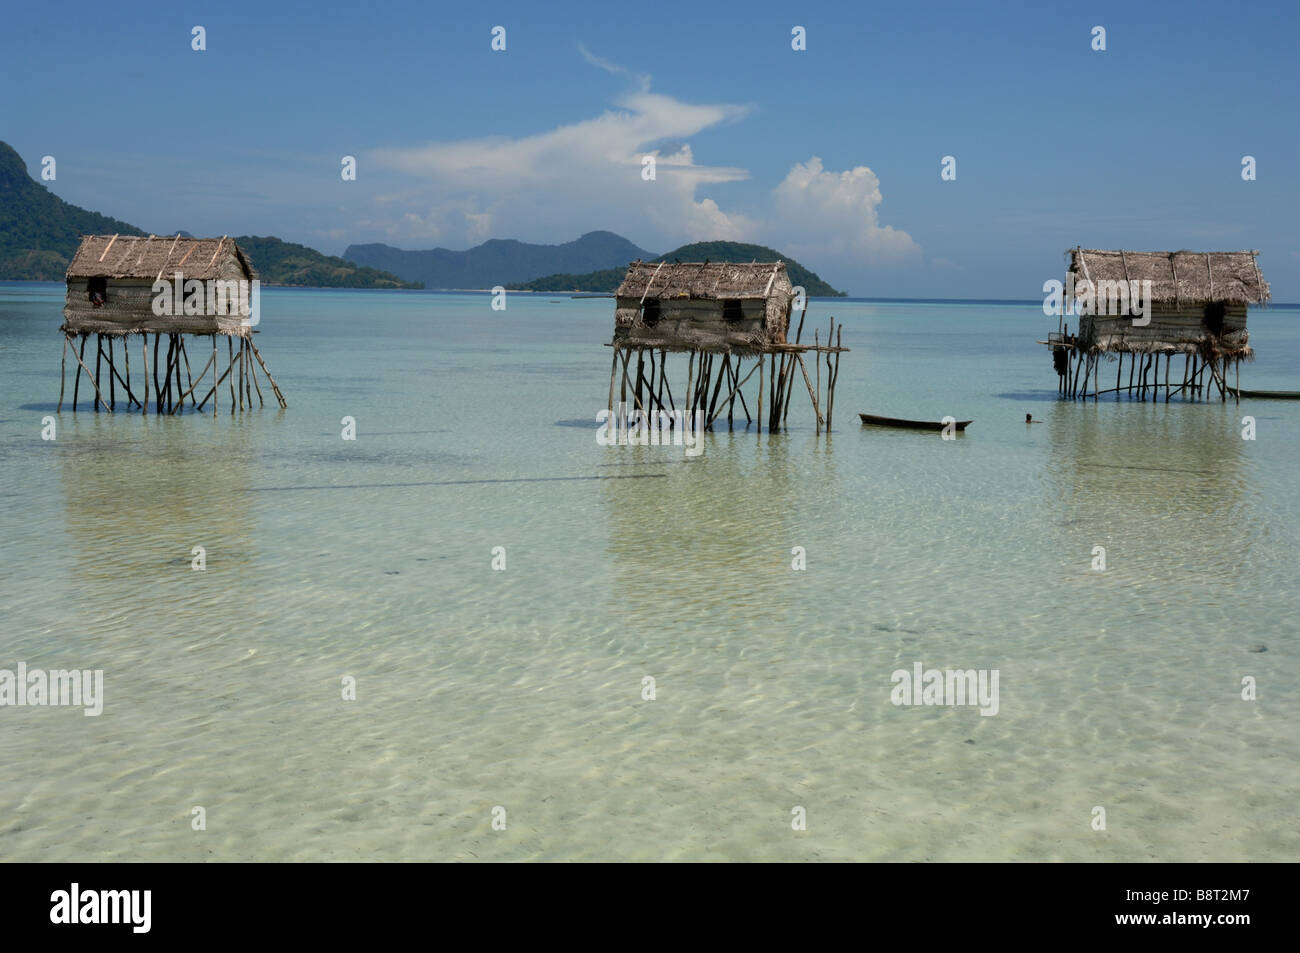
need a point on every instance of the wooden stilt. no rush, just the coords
(811, 392)
(835, 378)
(817, 369)
(690, 381)
(144, 357)
(167, 374)
(717, 389)
(114, 375)
(112, 372)
(257, 355)
(157, 388)
(180, 348)
(90, 377)
(195, 383)
(188, 376)
(760, 392)
(63, 374)
(230, 359)
(99, 356)
(215, 389)
(640, 374)
(126, 364)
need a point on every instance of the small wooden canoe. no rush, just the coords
(910, 424)
(1267, 394)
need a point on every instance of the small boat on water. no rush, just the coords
(1267, 394)
(911, 424)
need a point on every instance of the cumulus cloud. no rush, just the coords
(835, 215)
(573, 178)
(556, 184)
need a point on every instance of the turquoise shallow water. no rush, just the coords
(523, 688)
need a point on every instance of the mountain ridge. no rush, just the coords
(497, 261)
(606, 281)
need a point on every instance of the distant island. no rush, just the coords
(39, 233)
(499, 261)
(607, 280)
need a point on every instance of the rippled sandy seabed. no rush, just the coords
(523, 689)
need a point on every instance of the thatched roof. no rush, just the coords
(121, 256)
(1178, 276)
(707, 279)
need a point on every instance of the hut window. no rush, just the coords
(732, 312)
(650, 312)
(97, 291)
(1213, 317)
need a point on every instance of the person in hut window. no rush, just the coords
(97, 292)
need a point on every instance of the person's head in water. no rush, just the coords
(1029, 418)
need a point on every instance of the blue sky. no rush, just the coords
(831, 155)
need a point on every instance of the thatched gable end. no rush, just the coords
(1179, 277)
(707, 305)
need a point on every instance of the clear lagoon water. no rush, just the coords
(523, 688)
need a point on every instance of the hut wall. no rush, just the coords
(1176, 328)
(128, 308)
(692, 322)
(777, 315)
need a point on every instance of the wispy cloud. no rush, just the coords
(588, 174)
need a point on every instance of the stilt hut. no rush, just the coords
(1136, 308)
(122, 289)
(720, 314)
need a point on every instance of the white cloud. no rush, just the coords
(833, 217)
(554, 185)
(572, 179)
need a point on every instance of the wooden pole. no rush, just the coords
(817, 368)
(89, 377)
(112, 372)
(690, 381)
(760, 392)
(157, 389)
(640, 373)
(717, 388)
(215, 389)
(188, 376)
(230, 359)
(180, 350)
(835, 378)
(811, 393)
(195, 383)
(63, 374)
(167, 374)
(265, 370)
(126, 362)
(99, 354)
(144, 356)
